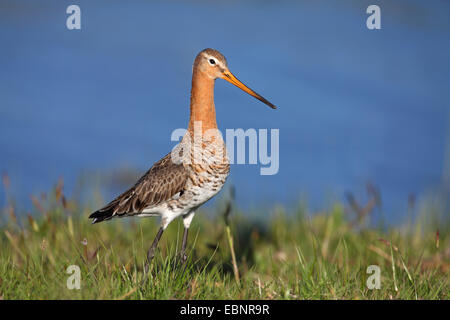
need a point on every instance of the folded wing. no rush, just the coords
(162, 182)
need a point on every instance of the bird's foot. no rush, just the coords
(182, 258)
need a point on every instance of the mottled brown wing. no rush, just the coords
(163, 181)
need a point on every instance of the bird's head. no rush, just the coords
(214, 65)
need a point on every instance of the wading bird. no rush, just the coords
(194, 171)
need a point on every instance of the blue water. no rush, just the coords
(355, 105)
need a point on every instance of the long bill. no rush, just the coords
(232, 79)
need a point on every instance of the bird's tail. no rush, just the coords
(102, 215)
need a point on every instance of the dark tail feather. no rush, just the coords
(100, 215)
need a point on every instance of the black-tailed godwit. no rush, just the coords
(194, 171)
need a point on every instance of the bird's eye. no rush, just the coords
(212, 61)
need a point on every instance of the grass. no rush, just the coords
(288, 256)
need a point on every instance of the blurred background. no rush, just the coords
(361, 113)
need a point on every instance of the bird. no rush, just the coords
(194, 171)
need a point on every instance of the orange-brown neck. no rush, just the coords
(202, 102)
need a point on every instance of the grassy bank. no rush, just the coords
(289, 256)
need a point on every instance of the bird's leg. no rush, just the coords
(187, 219)
(151, 250)
(183, 255)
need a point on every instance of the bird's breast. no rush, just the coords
(208, 168)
